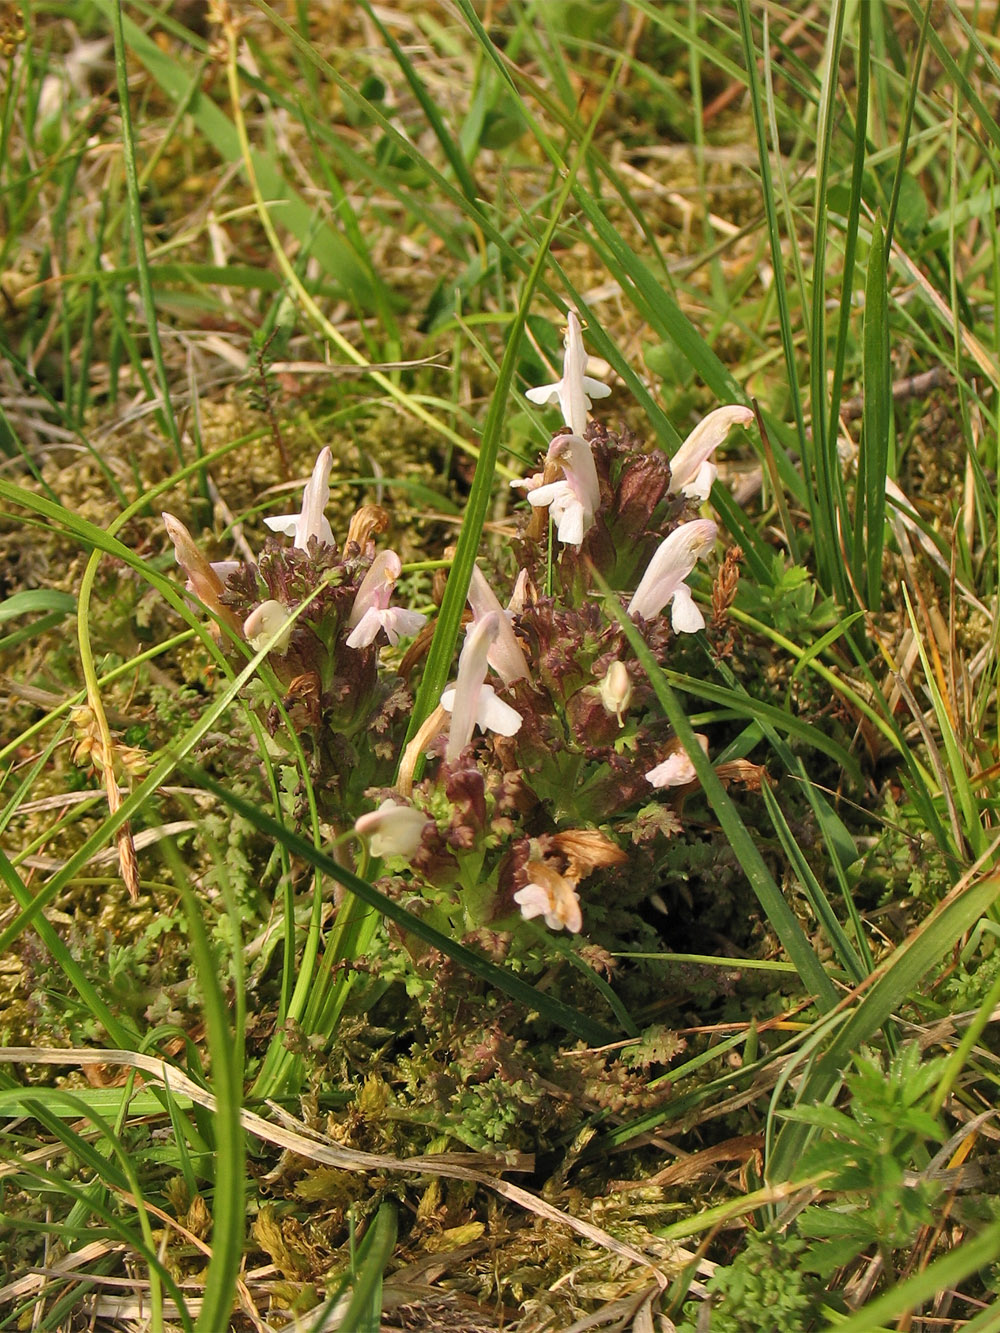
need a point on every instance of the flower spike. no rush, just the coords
(575, 389)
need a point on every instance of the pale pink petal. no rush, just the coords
(700, 488)
(365, 632)
(472, 666)
(495, 715)
(685, 614)
(677, 769)
(505, 656)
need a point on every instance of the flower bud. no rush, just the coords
(392, 830)
(616, 691)
(265, 621)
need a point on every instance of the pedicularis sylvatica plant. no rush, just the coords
(547, 757)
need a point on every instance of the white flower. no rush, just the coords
(470, 702)
(574, 391)
(616, 691)
(663, 580)
(263, 622)
(311, 521)
(551, 895)
(691, 473)
(505, 655)
(371, 611)
(575, 500)
(677, 769)
(392, 829)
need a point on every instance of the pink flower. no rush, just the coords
(551, 895)
(677, 769)
(691, 473)
(575, 390)
(311, 521)
(663, 580)
(470, 701)
(575, 500)
(371, 611)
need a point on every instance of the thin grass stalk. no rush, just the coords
(451, 149)
(774, 234)
(166, 411)
(873, 456)
(913, 86)
(842, 337)
(826, 462)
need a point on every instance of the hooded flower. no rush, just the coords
(371, 611)
(677, 769)
(575, 390)
(574, 500)
(552, 895)
(663, 580)
(470, 702)
(392, 829)
(691, 473)
(505, 656)
(311, 521)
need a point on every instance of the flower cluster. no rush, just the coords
(522, 781)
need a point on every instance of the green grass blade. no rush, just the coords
(873, 458)
(364, 1311)
(226, 1053)
(946, 1272)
